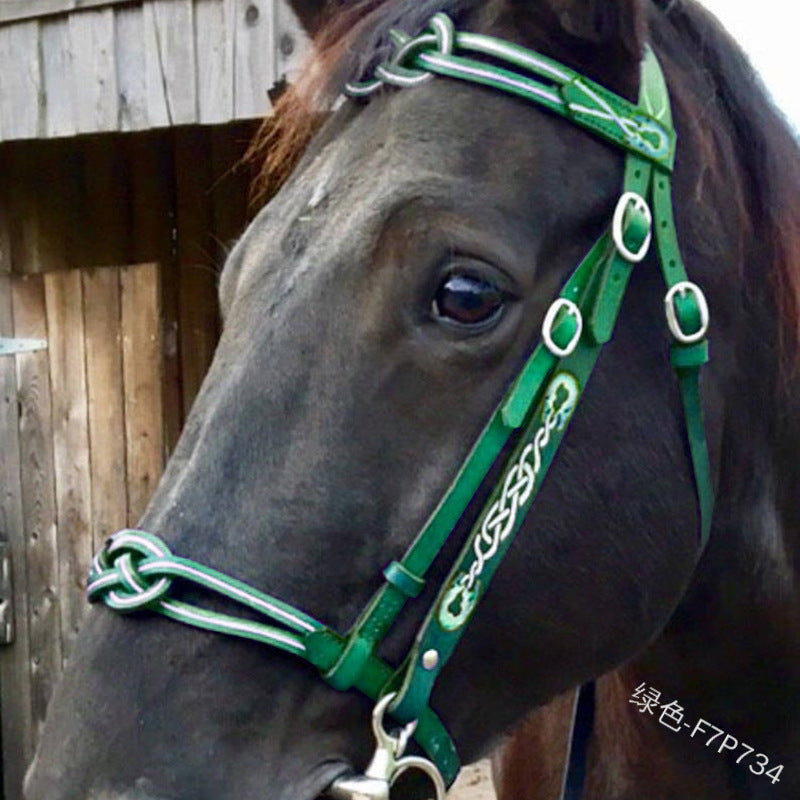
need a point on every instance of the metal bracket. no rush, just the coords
(10, 347)
(6, 595)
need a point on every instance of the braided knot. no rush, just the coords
(115, 577)
(499, 520)
(439, 37)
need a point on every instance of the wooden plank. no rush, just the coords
(63, 296)
(44, 208)
(152, 230)
(292, 45)
(172, 384)
(94, 92)
(22, 210)
(38, 495)
(141, 360)
(170, 62)
(158, 112)
(15, 10)
(5, 226)
(21, 87)
(15, 677)
(254, 59)
(103, 328)
(199, 317)
(106, 181)
(229, 195)
(131, 72)
(58, 78)
(213, 21)
(175, 20)
(62, 230)
(151, 170)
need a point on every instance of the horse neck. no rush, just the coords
(788, 448)
(731, 653)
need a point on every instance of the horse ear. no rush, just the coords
(311, 13)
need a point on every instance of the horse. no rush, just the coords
(375, 312)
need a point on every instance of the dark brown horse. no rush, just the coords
(375, 311)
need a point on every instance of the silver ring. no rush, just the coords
(672, 318)
(550, 318)
(616, 227)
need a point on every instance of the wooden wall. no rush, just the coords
(109, 249)
(177, 197)
(67, 69)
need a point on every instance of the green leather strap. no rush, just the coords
(687, 358)
(403, 580)
(441, 50)
(324, 649)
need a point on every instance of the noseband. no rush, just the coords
(136, 570)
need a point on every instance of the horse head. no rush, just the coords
(375, 312)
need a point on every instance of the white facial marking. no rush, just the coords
(320, 191)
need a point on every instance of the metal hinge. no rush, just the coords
(6, 595)
(10, 347)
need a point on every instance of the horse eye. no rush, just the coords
(468, 299)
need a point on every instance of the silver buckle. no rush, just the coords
(616, 227)
(387, 765)
(549, 320)
(672, 318)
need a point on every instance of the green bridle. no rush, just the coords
(135, 570)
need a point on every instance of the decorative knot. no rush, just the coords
(115, 577)
(401, 70)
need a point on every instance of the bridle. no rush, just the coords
(135, 569)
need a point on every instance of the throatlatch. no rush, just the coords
(135, 570)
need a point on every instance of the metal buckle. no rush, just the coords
(616, 227)
(549, 320)
(387, 765)
(672, 318)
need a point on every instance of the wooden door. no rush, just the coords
(81, 450)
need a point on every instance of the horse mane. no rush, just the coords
(751, 135)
